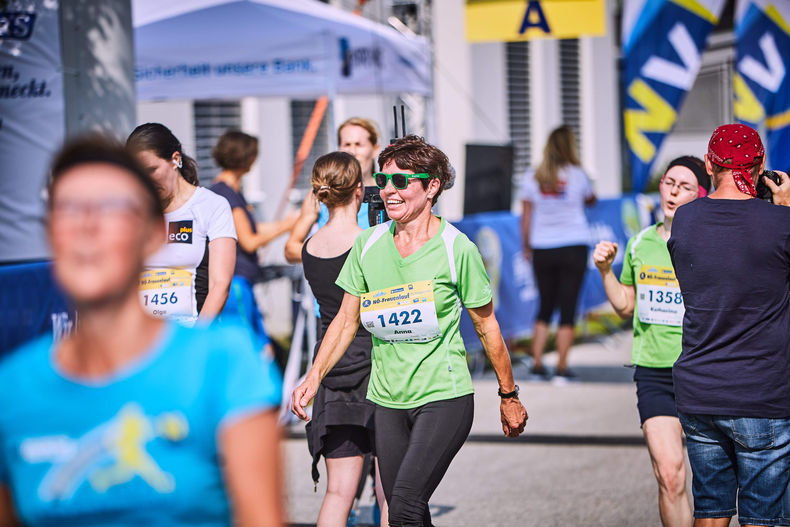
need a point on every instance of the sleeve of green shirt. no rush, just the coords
(627, 274)
(473, 285)
(351, 278)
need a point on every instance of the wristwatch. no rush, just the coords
(508, 395)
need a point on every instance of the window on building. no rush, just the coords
(708, 103)
(212, 119)
(569, 82)
(517, 58)
(300, 116)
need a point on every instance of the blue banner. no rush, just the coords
(31, 304)
(498, 236)
(663, 42)
(761, 85)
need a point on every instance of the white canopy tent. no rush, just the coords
(204, 49)
(198, 49)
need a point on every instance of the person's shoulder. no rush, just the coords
(378, 230)
(766, 207)
(460, 239)
(206, 195)
(221, 342)
(648, 232)
(528, 183)
(209, 206)
(689, 210)
(219, 334)
(222, 189)
(573, 171)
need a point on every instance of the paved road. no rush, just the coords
(580, 462)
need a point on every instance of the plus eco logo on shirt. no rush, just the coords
(179, 232)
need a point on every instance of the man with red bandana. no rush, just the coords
(731, 255)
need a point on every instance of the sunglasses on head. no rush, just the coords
(399, 181)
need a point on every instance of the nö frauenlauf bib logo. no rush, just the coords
(179, 232)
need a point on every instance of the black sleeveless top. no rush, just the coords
(341, 398)
(321, 274)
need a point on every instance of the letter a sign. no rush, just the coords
(513, 20)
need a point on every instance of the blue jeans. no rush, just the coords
(743, 458)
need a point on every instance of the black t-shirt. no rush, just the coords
(246, 262)
(732, 260)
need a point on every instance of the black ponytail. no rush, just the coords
(159, 139)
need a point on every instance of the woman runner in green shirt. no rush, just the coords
(648, 291)
(405, 280)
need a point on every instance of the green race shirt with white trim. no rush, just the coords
(655, 345)
(411, 374)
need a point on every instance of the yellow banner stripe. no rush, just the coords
(698, 9)
(773, 13)
(778, 121)
(501, 20)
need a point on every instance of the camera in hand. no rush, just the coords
(377, 213)
(763, 192)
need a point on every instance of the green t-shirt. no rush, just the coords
(410, 374)
(655, 345)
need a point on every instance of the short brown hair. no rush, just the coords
(335, 177)
(754, 170)
(413, 153)
(235, 150)
(367, 124)
(96, 148)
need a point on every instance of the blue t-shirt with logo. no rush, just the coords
(138, 447)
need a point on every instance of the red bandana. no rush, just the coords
(742, 146)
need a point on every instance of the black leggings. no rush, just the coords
(559, 273)
(415, 447)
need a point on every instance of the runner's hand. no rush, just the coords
(604, 254)
(527, 252)
(302, 396)
(514, 416)
(310, 207)
(781, 193)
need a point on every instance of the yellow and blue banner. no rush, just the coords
(663, 42)
(761, 85)
(514, 20)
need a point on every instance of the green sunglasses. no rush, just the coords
(399, 181)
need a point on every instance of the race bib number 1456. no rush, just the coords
(166, 292)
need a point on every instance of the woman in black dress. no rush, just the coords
(342, 425)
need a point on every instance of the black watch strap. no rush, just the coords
(508, 395)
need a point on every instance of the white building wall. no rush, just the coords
(269, 119)
(452, 96)
(544, 93)
(489, 93)
(375, 107)
(176, 115)
(600, 122)
(485, 110)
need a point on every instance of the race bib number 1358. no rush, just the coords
(659, 300)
